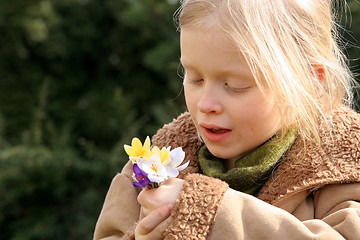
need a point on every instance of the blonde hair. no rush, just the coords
(285, 43)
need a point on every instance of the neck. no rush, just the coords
(228, 164)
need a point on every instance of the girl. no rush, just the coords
(274, 150)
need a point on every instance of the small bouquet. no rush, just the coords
(151, 165)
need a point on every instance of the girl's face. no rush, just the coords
(229, 111)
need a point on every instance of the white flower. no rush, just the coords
(153, 167)
(163, 164)
(176, 157)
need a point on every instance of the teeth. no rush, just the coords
(218, 130)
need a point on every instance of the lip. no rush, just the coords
(215, 136)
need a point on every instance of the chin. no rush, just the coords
(219, 154)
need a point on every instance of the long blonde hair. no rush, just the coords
(286, 43)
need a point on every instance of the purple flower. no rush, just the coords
(140, 177)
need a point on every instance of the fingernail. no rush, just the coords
(170, 206)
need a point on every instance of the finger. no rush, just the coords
(144, 212)
(169, 181)
(144, 196)
(151, 221)
(168, 192)
(158, 232)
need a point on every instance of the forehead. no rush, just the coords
(210, 53)
(210, 42)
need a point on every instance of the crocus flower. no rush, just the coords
(140, 177)
(137, 150)
(155, 171)
(164, 154)
(151, 167)
(177, 155)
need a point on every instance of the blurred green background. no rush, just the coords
(78, 79)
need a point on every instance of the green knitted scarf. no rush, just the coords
(250, 172)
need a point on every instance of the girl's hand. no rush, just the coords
(168, 192)
(156, 205)
(152, 226)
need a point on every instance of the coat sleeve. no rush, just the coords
(331, 213)
(120, 210)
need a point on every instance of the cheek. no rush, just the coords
(268, 116)
(190, 98)
(268, 108)
(256, 110)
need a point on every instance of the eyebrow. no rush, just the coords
(188, 66)
(233, 72)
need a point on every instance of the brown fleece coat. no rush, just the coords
(312, 194)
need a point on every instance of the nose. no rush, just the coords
(209, 101)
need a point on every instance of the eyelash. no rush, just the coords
(233, 89)
(236, 90)
(192, 81)
(196, 81)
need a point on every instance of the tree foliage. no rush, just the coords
(78, 79)
(89, 66)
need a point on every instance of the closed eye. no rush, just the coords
(197, 80)
(194, 81)
(236, 89)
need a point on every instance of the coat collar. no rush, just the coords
(335, 160)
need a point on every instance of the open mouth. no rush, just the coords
(214, 133)
(217, 130)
